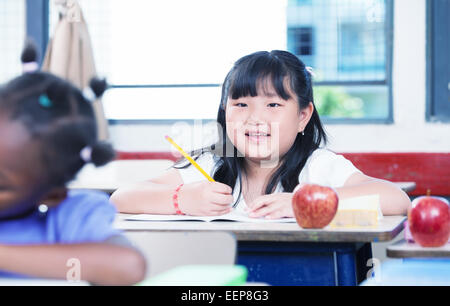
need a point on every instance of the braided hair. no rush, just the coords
(59, 117)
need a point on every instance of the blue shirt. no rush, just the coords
(84, 216)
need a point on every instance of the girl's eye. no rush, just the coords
(241, 105)
(274, 105)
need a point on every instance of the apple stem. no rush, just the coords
(428, 192)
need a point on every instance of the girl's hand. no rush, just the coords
(205, 198)
(272, 206)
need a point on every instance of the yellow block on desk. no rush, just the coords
(361, 211)
(355, 218)
(200, 275)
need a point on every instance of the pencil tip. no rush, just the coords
(166, 137)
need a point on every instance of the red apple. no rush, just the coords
(314, 205)
(429, 221)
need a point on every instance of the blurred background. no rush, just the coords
(381, 80)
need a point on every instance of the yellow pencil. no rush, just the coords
(190, 159)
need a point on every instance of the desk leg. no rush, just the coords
(346, 269)
(352, 267)
(363, 255)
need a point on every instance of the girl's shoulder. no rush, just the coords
(82, 201)
(321, 154)
(324, 157)
(83, 216)
(325, 167)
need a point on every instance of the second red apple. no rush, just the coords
(429, 221)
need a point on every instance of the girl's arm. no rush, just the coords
(201, 198)
(393, 200)
(154, 196)
(99, 263)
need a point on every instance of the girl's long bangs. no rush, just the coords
(257, 74)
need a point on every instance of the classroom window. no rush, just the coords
(362, 54)
(350, 55)
(300, 41)
(438, 63)
(167, 59)
(12, 33)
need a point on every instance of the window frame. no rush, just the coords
(436, 53)
(37, 16)
(37, 19)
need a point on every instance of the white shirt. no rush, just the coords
(323, 167)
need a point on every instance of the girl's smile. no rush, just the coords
(257, 136)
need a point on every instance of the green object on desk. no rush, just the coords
(200, 275)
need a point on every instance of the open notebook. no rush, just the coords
(352, 212)
(235, 215)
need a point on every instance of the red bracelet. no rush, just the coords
(175, 200)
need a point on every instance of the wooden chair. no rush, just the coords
(166, 250)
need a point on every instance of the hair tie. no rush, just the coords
(89, 94)
(30, 67)
(86, 154)
(310, 71)
(44, 101)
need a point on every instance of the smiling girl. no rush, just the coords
(269, 121)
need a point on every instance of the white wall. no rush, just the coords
(410, 131)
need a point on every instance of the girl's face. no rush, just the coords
(264, 127)
(19, 160)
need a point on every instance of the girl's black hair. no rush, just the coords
(57, 115)
(243, 80)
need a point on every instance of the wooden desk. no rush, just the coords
(404, 249)
(118, 173)
(411, 272)
(285, 254)
(418, 266)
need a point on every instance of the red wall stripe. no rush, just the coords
(427, 170)
(148, 155)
